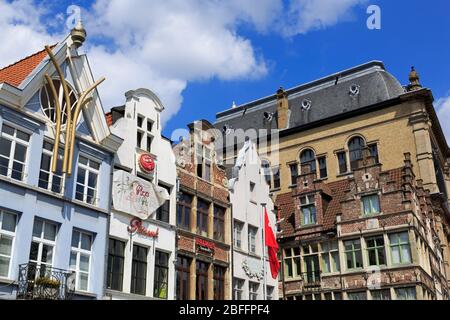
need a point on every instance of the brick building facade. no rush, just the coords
(203, 219)
(371, 236)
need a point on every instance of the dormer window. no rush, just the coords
(308, 211)
(204, 161)
(144, 133)
(371, 205)
(48, 102)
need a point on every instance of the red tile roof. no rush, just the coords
(16, 73)
(337, 192)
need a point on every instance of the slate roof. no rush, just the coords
(329, 97)
(17, 72)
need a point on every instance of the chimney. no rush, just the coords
(282, 109)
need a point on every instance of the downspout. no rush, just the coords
(232, 253)
(108, 226)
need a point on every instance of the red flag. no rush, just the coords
(272, 247)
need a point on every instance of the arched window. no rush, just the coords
(356, 147)
(307, 157)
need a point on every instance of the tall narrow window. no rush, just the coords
(292, 265)
(43, 245)
(353, 254)
(406, 293)
(183, 277)
(252, 232)
(219, 223)
(13, 152)
(149, 143)
(161, 275)
(219, 283)
(47, 179)
(342, 159)
(400, 248)
(356, 147)
(202, 217)
(88, 171)
(307, 157)
(80, 258)
(139, 270)
(163, 212)
(294, 173)
(238, 289)
(140, 121)
(116, 259)
(374, 152)
(267, 172)
(276, 178)
(371, 205)
(323, 167)
(253, 288)
(184, 211)
(376, 251)
(238, 226)
(330, 257)
(202, 281)
(8, 223)
(139, 138)
(308, 209)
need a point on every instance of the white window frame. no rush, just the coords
(88, 168)
(238, 286)
(252, 294)
(41, 241)
(237, 226)
(252, 238)
(9, 235)
(14, 141)
(50, 173)
(78, 251)
(206, 160)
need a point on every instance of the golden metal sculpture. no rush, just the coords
(71, 119)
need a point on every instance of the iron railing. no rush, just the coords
(41, 282)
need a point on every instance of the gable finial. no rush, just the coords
(78, 34)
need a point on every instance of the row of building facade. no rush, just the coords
(352, 170)
(138, 218)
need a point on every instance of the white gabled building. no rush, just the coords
(249, 194)
(142, 233)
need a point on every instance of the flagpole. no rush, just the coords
(264, 249)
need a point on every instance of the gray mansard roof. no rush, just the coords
(328, 97)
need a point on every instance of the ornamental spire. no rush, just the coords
(414, 80)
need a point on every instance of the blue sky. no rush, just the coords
(413, 33)
(201, 55)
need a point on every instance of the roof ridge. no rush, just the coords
(26, 58)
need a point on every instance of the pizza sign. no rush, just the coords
(147, 163)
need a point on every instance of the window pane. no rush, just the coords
(84, 160)
(49, 231)
(37, 228)
(34, 251)
(5, 147)
(83, 281)
(81, 175)
(4, 266)
(84, 263)
(86, 242)
(17, 171)
(47, 254)
(73, 261)
(396, 255)
(75, 239)
(23, 136)
(5, 245)
(9, 222)
(20, 153)
(8, 130)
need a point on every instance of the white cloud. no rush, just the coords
(443, 110)
(165, 45)
(307, 15)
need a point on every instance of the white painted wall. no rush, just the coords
(145, 103)
(248, 210)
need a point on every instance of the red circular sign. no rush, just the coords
(147, 163)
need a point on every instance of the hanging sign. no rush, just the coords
(137, 196)
(146, 163)
(137, 226)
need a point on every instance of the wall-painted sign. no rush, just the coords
(146, 163)
(137, 196)
(137, 226)
(204, 246)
